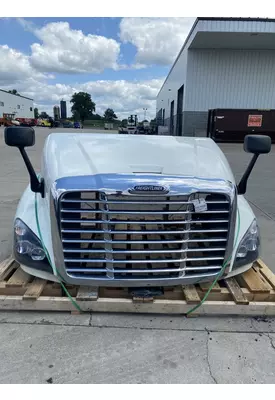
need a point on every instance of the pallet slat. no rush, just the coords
(87, 293)
(253, 282)
(143, 299)
(6, 267)
(268, 275)
(127, 306)
(251, 294)
(205, 287)
(236, 291)
(19, 278)
(35, 289)
(191, 294)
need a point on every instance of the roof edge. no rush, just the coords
(18, 95)
(245, 19)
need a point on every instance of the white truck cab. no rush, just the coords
(134, 210)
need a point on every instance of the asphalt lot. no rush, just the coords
(60, 348)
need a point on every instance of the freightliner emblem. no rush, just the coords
(149, 189)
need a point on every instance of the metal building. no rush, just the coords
(224, 63)
(16, 105)
(63, 109)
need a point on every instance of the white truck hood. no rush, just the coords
(80, 154)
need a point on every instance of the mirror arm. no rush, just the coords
(36, 185)
(243, 182)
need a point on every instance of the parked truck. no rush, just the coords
(136, 212)
(27, 121)
(8, 120)
(108, 126)
(132, 125)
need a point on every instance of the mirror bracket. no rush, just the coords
(243, 182)
(36, 185)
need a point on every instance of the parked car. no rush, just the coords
(68, 124)
(141, 130)
(44, 122)
(77, 125)
(176, 197)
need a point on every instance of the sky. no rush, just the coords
(121, 62)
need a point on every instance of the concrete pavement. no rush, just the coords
(60, 348)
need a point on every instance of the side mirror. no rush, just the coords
(17, 136)
(256, 144)
(22, 137)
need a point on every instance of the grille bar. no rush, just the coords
(145, 242)
(146, 212)
(133, 261)
(142, 232)
(142, 271)
(139, 202)
(161, 251)
(141, 222)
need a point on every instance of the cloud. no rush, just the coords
(125, 97)
(15, 66)
(66, 50)
(158, 40)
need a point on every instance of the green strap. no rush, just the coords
(221, 271)
(49, 259)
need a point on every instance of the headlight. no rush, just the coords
(248, 250)
(28, 249)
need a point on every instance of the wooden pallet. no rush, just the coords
(250, 294)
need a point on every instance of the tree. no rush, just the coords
(76, 116)
(109, 115)
(124, 122)
(36, 113)
(82, 106)
(96, 117)
(13, 91)
(44, 115)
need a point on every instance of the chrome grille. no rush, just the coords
(128, 237)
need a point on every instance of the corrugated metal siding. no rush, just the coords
(176, 79)
(230, 79)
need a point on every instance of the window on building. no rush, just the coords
(1, 104)
(18, 107)
(30, 108)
